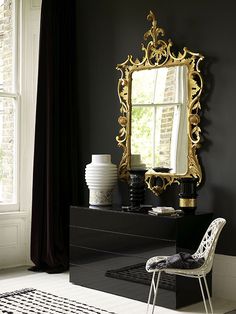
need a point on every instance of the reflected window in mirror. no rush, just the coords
(159, 100)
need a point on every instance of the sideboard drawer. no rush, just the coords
(124, 222)
(119, 243)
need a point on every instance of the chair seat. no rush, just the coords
(188, 265)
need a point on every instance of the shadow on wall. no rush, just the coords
(208, 90)
(223, 205)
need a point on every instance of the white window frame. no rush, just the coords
(12, 207)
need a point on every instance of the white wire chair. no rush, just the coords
(205, 250)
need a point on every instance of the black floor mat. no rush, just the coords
(137, 273)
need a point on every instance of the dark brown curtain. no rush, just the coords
(55, 177)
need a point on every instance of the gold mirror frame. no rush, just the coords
(157, 53)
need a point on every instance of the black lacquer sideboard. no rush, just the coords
(109, 249)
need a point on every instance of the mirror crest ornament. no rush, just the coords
(158, 54)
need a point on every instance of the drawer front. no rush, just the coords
(102, 260)
(96, 279)
(123, 222)
(119, 243)
(93, 278)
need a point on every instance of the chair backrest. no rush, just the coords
(207, 246)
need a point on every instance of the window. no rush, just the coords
(158, 117)
(9, 103)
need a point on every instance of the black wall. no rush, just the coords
(107, 31)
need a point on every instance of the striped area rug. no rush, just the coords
(29, 301)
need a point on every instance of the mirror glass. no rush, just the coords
(159, 138)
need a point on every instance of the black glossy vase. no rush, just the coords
(188, 195)
(137, 189)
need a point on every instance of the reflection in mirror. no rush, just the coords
(159, 98)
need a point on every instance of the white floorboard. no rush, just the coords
(59, 284)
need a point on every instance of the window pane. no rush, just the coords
(143, 83)
(159, 136)
(164, 135)
(7, 150)
(6, 45)
(142, 134)
(159, 86)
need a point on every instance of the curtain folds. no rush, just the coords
(56, 155)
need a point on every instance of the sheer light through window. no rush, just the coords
(8, 104)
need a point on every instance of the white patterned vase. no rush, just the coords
(101, 177)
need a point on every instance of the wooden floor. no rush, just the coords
(59, 284)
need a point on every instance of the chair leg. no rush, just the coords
(156, 289)
(208, 294)
(203, 295)
(150, 291)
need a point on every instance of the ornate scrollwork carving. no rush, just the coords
(158, 53)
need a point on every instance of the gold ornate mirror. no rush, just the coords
(160, 105)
